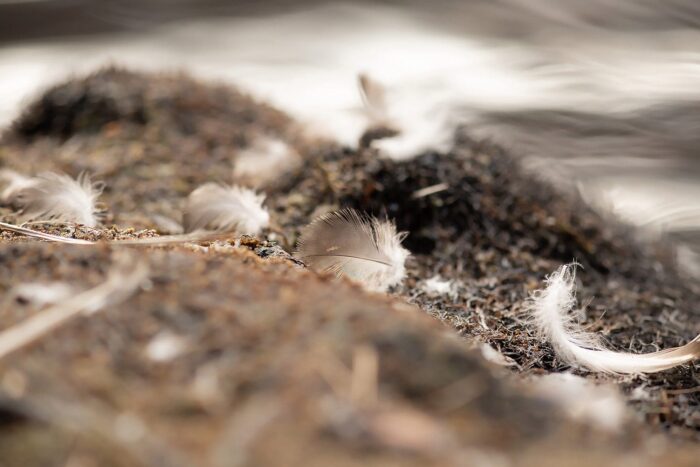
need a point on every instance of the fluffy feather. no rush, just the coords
(57, 197)
(11, 183)
(361, 248)
(218, 207)
(550, 309)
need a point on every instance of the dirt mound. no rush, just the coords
(232, 354)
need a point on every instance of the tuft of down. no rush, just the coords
(352, 245)
(550, 309)
(225, 208)
(60, 198)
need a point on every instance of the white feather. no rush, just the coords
(551, 312)
(218, 207)
(361, 248)
(11, 183)
(373, 95)
(58, 197)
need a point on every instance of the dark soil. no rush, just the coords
(279, 366)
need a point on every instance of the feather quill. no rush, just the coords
(198, 236)
(551, 308)
(224, 208)
(351, 245)
(58, 197)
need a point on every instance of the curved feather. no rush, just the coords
(550, 309)
(361, 248)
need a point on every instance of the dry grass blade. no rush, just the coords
(42, 235)
(198, 236)
(122, 281)
(193, 237)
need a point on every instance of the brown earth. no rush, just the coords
(278, 366)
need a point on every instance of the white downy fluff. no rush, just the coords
(218, 207)
(436, 285)
(598, 405)
(58, 197)
(12, 183)
(551, 312)
(351, 245)
(39, 295)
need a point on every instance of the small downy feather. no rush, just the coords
(373, 96)
(58, 197)
(225, 208)
(551, 308)
(351, 245)
(11, 184)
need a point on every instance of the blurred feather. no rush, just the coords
(361, 248)
(373, 96)
(223, 208)
(11, 183)
(57, 197)
(550, 309)
(41, 294)
(264, 161)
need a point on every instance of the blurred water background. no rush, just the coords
(601, 96)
